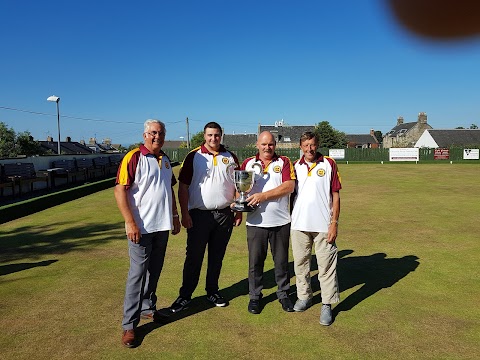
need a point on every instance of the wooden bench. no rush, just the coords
(23, 173)
(66, 169)
(6, 183)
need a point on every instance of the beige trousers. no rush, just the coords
(326, 254)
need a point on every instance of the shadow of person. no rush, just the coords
(13, 268)
(200, 303)
(374, 272)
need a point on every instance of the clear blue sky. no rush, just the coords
(115, 64)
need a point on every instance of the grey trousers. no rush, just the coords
(258, 239)
(146, 262)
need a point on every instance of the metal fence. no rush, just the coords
(351, 154)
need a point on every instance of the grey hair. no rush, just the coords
(149, 122)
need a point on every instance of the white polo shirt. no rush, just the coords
(149, 182)
(312, 207)
(210, 186)
(275, 212)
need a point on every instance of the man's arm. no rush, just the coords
(285, 188)
(131, 228)
(333, 227)
(183, 201)
(176, 220)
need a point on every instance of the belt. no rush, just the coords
(215, 211)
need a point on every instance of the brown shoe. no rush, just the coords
(128, 338)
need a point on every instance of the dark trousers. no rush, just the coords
(258, 239)
(212, 228)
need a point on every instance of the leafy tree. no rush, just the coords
(196, 140)
(134, 146)
(459, 127)
(473, 126)
(12, 144)
(378, 134)
(329, 137)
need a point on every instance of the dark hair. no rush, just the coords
(213, 125)
(307, 135)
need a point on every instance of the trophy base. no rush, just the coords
(243, 207)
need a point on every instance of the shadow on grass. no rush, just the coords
(374, 272)
(13, 268)
(200, 303)
(59, 237)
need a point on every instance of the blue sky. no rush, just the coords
(115, 64)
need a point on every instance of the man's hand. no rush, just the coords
(332, 232)
(187, 221)
(133, 232)
(238, 219)
(176, 226)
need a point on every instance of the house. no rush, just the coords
(448, 138)
(174, 144)
(406, 134)
(363, 141)
(238, 141)
(66, 147)
(286, 136)
(105, 146)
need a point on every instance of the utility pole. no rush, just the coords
(188, 135)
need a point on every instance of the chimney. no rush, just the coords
(400, 120)
(372, 132)
(82, 142)
(68, 139)
(422, 118)
(92, 141)
(49, 139)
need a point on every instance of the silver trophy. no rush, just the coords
(244, 181)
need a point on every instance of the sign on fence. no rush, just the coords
(441, 154)
(403, 154)
(471, 154)
(337, 154)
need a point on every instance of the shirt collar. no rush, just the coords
(318, 158)
(204, 149)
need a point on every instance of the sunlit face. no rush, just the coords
(212, 138)
(154, 138)
(266, 146)
(309, 148)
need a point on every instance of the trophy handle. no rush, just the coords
(260, 169)
(231, 172)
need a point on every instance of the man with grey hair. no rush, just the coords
(146, 200)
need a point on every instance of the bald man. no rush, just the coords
(270, 222)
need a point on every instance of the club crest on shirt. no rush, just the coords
(225, 160)
(277, 169)
(167, 164)
(321, 172)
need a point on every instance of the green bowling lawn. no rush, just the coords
(408, 269)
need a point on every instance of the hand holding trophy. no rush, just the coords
(244, 181)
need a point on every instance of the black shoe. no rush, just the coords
(286, 304)
(254, 306)
(179, 304)
(217, 299)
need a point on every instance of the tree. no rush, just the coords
(196, 140)
(379, 136)
(459, 127)
(329, 137)
(12, 144)
(473, 126)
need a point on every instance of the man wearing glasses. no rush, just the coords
(205, 193)
(147, 203)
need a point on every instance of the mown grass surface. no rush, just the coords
(408, 275)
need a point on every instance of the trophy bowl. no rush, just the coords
(244, 181)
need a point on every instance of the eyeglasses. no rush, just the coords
(155, 133)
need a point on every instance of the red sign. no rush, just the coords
(441, 154)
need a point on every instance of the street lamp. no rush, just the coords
(56, 99)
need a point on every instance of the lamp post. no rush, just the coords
(56, 99)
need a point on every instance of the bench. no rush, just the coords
(66, 169)
(103, 164)
(6, 183)
(23, 173)
(87, 166)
